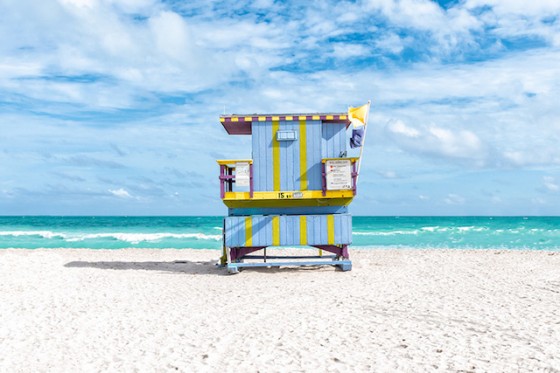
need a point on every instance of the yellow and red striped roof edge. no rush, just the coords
(241, 123)
(339, 117)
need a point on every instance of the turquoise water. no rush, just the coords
(205, 232)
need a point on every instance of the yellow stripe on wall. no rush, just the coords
(248, 231)
(304, 183)
(275, 231)
(330, 229)
(275, 156)
(303, 230)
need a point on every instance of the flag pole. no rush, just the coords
(363, 141)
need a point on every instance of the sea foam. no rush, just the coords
(42, 234)
(133, 238)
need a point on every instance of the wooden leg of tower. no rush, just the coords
(346, 264)
(224, 257)
(231, 265)
(345, 254)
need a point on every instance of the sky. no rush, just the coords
(111, 107)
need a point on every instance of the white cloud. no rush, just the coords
(422, 14)
(399, 128)
(121, 193)
(496, 200)
(439, 141)
(14, 68)
(346, 50)
(391, 43)
(172, 36)
(516, 18)
(450, 29)
(550, 184)
(462, 143)
(80, 3)
(515, 157)
(454, 199)
(389, 174)
(540, 8)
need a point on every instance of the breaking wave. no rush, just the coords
(128, 237)
(42, 234)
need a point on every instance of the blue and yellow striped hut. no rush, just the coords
(295, 190)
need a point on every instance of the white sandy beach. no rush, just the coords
(397, 310)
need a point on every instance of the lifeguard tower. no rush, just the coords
(294, 191)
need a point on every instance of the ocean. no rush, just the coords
(205, 232)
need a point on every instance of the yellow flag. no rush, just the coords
(359, 113)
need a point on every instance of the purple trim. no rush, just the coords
(237, 128)
(323, 179)
(337, 250)
(250, 180)
(222, 192)
(354, 176)
(230, 179)
(345, 253)
(239, 252)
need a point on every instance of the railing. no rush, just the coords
(229, 172)
(340, 181)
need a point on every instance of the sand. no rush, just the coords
(396, 311)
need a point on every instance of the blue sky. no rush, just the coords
(110, 107)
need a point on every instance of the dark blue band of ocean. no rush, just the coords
(205, 232)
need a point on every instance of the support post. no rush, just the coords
(222, 181)
(251, 180)
(354, 178)
(230, 179)
(223, 258)
(324, 178)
